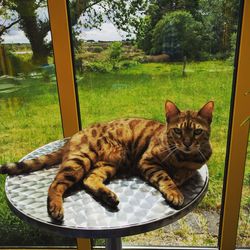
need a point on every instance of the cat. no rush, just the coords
(163, 154)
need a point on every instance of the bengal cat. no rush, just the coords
(163, 154)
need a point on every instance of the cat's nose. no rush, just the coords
(187, 143)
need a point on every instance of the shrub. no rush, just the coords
(101, 67)
(128, 64)
(95, 49)
(115, 52)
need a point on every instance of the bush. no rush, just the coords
(128, 64)
(115, 52)
(101, 67)
(177, 34)
(95, 49)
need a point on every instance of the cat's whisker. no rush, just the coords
(169, 155)
(168, 149)
(202, 155)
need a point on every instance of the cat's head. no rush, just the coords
(188, 132)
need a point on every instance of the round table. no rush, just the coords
(142, 208)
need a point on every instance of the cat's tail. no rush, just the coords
(32, 165)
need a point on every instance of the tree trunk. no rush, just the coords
(36, 38)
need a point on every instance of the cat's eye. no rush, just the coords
(197, 131)
(177, 131)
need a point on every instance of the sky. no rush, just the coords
(107, 33)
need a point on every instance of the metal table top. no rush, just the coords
(142, 208)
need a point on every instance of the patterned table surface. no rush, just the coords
(142, 208)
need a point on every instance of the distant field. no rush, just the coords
(30, 117)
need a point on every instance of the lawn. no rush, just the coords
(32, 118)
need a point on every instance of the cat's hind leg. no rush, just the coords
(94, 183)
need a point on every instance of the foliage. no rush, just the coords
(155, 11)
(100, 67)
(96, 49)
(219, 19)
(177, 34)
(127, 64)
(145, 34)
(232, 47)
(115, 52)
(107, 67)
(125, 15)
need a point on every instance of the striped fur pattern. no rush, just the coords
(165, 155)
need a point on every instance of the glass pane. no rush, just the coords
(29, 108)
(131, 59)
(243, 239)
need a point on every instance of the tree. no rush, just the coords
(156, 10)
(220, 20)
(177, 34)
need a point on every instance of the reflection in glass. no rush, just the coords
(29, 110)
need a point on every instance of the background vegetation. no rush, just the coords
(129, 78)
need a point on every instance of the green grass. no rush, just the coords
(32, 118)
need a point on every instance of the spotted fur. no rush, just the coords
(165, 155)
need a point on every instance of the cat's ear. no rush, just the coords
(171, 110)
(206, 111)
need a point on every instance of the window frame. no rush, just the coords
(238, 129)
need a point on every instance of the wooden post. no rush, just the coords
(67, 90)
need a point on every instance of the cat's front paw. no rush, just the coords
(55, 209)
(174, 196)
(109, 198)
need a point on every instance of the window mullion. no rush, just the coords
(239, 140)
(64, 66)
(67, 90)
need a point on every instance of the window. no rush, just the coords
(117, 79)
